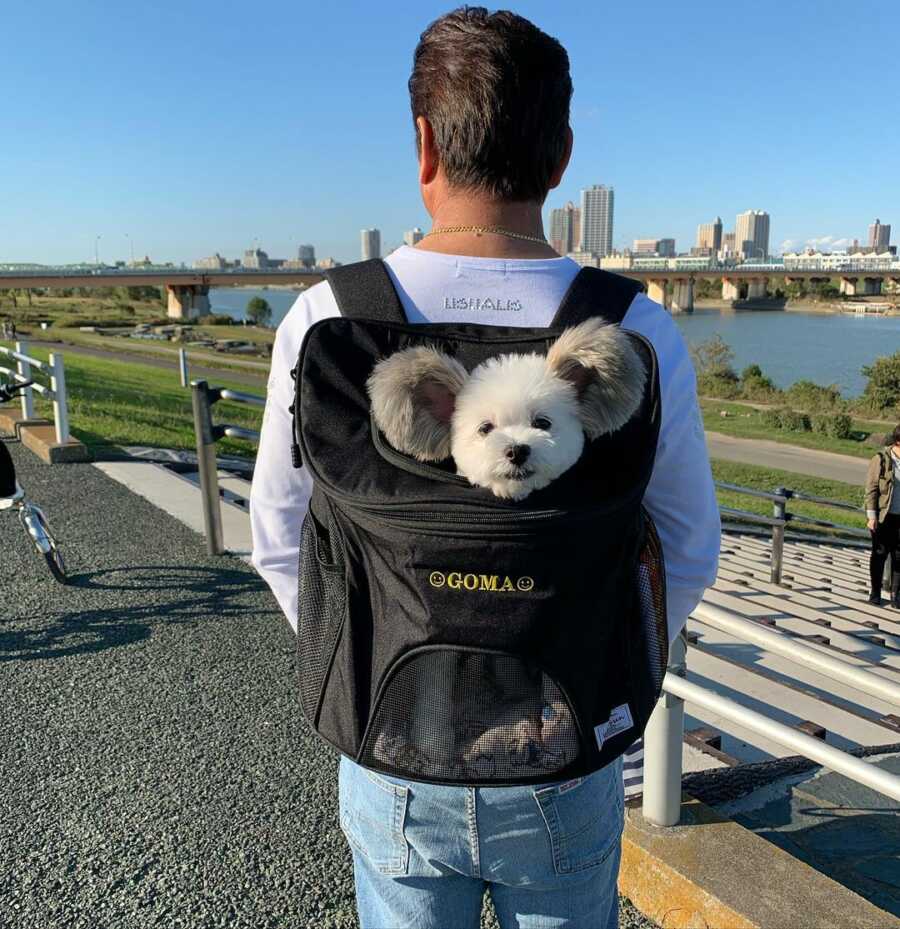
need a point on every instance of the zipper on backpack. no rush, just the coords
(394, 516)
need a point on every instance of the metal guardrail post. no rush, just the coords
(779, 511)
(663, 739)
(183, 366)
(60, 403)
(24, 369)
(206, 465)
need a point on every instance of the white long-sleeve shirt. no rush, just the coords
(434, 287)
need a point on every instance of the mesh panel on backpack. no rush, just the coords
(652, 603)
(322, 601)
(458, 714)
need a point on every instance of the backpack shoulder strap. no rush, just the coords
(364, 290)
(596, 293)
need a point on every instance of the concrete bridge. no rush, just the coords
(746, 282)
(187, 290)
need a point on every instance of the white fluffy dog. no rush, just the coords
(517, 421)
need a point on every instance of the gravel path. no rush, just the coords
(154, 771)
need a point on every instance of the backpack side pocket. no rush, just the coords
(648, 640)
(321, 608)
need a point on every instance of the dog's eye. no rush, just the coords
(485, 428)
(541, 422)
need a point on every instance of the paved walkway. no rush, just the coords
(788, 458)
(155, 770)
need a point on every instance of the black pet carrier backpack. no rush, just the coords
(447, 635)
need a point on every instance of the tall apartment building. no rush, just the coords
(306, 256)
(709, 235)
(371, 243)
(412, 236)
(879, 235)
(565, 229)
(751, 234)
(597, 220)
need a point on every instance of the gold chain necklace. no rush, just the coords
(478, 230)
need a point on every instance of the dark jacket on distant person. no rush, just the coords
(880, 483)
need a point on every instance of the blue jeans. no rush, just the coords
(423, 854)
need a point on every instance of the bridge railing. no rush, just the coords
(781, 517)
(207, 433)
(664, 734)
(26, 369)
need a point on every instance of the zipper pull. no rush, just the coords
(296, 459)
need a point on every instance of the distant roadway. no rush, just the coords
(168, 359)
(769, 454)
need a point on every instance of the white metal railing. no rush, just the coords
(208, 433)
(781, 517)
(55, 391)
(664, 733)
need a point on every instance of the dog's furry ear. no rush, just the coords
(413, 395)
(606, 370)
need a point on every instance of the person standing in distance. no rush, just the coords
(490, 96)
(883, 518)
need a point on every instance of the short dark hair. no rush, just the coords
(496, 91)
(895, 435)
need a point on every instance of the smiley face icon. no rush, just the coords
(525, 584)
(436, 579)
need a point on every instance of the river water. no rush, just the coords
(828, 348)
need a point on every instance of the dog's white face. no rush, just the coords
(516, 427)
(516, 422)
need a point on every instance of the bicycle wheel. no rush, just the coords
(56, 564)
(44, 542)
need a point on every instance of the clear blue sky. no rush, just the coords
(194, 126)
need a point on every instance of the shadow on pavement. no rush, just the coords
(204, 595)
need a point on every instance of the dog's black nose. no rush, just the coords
(518, 454)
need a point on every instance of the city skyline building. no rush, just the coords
(644, 246)
(662, 248)
(255, 259)
(751, 234)
(565, 229)
(665, 248)
(306, 255)
(709, 235)
(213, 263)
(413, 236)
(370, 241)
(879, 234)
(597, 208)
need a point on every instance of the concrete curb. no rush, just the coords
(11, 420)
(39, 436)
(709, 872)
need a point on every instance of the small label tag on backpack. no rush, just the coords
(619, 720)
